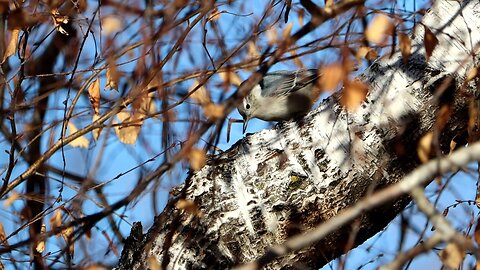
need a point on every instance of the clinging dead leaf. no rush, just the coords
(199, 94)
(424, 147)
(214, 111)
(378, 29)
(56, 220)
(188, 205)
(153, 263)
(129, 127)
(113, 76)
(197, 158)
(94, 95)
(354, 93)
(331, 77)
(3, 236)
(452, 256)
(405, 46)
(366, 53)
(12, 45)
(41, 244)
(230, 77)
(81, 141)
(13, 197)
(430, 42)
(111, 25)
(287, 30)
(96, 132)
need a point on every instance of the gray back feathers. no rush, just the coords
(285, 82)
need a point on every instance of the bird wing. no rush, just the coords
(287, 82)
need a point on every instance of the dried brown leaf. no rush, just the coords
(197, 158)
(111, 24)
(56, 221)
(3, 236)
(188, 205)
(452, 256)
(214, 111)
(215, 15)
(287, 31)
(59, 20)
(67, 236)
(472, 74)
(331, 77)
(354, 93)
(13, 197)
(366, 53)
(153, 263)
(129, 127)
(12, 45)
(96, 132)
(405, 46)
(113, 76)
(430, 42)
(40, 247)
(94, 95)
(81, 141)
(378, 29)
(424, 147)
(230, 77)
(301, 17)
(477, 232)
(200, 95)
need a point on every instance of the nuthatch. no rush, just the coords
(280, 96)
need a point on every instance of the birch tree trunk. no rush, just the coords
(281, 182)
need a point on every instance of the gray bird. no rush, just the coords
(280, 96)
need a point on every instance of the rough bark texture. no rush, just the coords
(280, 182)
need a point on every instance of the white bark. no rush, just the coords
(279, 182)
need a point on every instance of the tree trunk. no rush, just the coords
(281, 182)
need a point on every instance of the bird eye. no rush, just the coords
(247, 106)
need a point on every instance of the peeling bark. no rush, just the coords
(280, 182)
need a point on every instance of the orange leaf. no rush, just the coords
(213, 111)
(113, 76)
(13, 197)
(353, 94)
(331, 76)
(452, 256)
(200, 95)
(3, 236)
(197, 158)
(111, 24)
(153, 263)
(287, 31)
(94, 95)
(56, 221)
(425, 147)
(188, 205)
(380, 26)
(12, 45)
(430, 42)
(405, 46)
(367, 53)
(230, 77)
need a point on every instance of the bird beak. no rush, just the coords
(245, 123)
